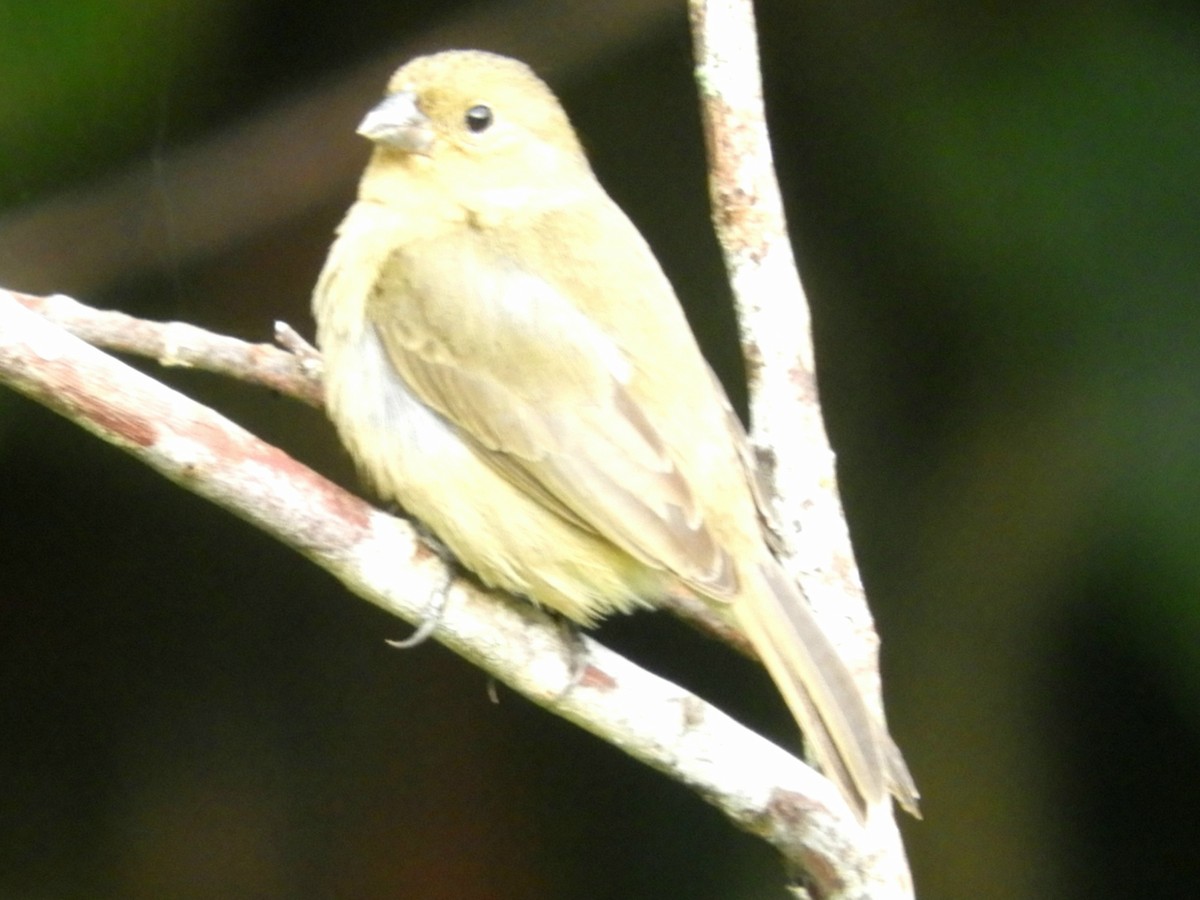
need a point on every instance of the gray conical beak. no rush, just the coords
(398, 122)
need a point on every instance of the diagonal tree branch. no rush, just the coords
(295, 371)
(757, 785)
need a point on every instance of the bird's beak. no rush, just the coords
(398, 122)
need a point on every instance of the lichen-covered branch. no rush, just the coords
(795, 458)
(378, 557)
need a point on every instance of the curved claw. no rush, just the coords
(429, 621)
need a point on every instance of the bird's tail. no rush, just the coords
(847, 741)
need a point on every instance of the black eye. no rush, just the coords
(479, 118)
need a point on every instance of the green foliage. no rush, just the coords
(87, 83)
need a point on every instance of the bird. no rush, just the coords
(506, 360)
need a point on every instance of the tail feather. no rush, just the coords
(847, 740)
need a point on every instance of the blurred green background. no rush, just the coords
(997, 211)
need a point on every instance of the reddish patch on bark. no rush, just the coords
(597, 679)
(137, 426)
(342, 518)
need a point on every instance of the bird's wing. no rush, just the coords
(543, 395)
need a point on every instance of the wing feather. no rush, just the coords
(562, 422)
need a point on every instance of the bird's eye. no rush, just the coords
(479, 118)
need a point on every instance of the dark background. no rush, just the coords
(997, 214)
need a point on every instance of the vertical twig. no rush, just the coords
(788, 429)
